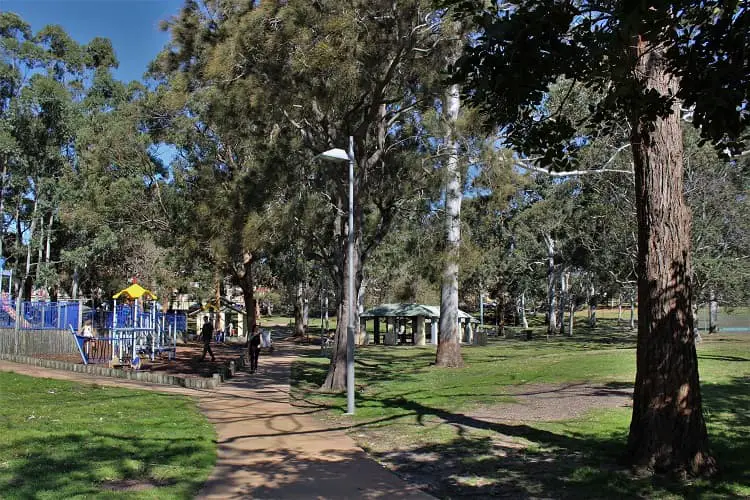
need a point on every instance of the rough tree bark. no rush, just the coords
(449, 343)
(245, 279)
(336, 379)
(667, 430)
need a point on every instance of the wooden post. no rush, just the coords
(376, 327)
(19, 313)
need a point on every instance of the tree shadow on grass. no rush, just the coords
(90, 463)
(484, 460)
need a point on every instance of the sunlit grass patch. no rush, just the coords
(61, 439)
(422, 421)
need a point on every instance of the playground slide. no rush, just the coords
(11, 311)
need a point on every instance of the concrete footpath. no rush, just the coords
(268, 448)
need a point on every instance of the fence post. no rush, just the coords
(19, 313)
(80, 315)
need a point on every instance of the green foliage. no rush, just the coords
(521, 52)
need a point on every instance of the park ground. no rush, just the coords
(541, 418)
(62, 439)
(523, 419)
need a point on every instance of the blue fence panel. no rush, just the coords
(44, 315)
(63, 315)
(178, 321)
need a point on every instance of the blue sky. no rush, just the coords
(131, 25)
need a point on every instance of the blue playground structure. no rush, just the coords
(132, 331)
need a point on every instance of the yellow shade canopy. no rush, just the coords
(135, 291)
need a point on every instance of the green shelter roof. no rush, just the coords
(408, 311)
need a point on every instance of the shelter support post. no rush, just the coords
(434, 330)
(420, 337)
(376, 328)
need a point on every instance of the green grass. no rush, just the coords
(66, 440)
(407, 408)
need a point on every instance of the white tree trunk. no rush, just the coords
(74, 291)
(632, 310)
(592, 306)
(572, 307)
(522, 311)
(2, 205)
(361, 328)
(551, 306)
(561, 300)
(299, 307)
(449, 345)
(27, 275)
(713, 312)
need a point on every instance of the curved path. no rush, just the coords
(268, 448)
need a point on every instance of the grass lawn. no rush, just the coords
(65, 440)
(443, 428)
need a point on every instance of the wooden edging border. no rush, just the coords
(226, 371)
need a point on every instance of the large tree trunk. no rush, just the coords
(336, 378)
(667, 431)
(551, 305)
(248, 293)
(449, 343)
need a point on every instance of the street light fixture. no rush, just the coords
(339, 155)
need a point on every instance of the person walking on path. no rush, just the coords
(206, 333)
(254, 345)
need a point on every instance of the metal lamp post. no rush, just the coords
(340, 155)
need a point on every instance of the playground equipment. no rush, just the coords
(135, 332)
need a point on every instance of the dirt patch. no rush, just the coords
(187, 361)
(504, 458)
(547, 402)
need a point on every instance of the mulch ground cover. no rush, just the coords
(186, 363)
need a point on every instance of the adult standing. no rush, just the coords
(206, 333)
(254, 347)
